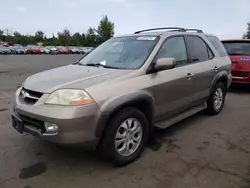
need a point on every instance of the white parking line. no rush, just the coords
(5, 95)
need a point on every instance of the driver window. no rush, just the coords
(174, 47)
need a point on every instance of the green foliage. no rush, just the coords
(247, 34)
(105, 29)
(92, 37)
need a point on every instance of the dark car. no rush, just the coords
(239, 52)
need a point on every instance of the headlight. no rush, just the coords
(69, 97)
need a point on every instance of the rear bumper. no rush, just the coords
(241, 80)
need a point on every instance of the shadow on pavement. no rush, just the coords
(239, 89)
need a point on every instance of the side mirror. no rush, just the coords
(164, 64)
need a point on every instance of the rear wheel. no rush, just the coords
(216, 100)
(125, 136)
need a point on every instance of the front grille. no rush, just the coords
(30, 97)
(33, 122)
(240, 74)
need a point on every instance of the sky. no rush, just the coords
(224, 18)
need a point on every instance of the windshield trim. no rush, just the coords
(157, 38)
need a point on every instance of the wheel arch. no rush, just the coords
(221, 77)
(140, 100)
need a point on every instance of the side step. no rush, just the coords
(174, 119)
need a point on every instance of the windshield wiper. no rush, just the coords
(100, 65)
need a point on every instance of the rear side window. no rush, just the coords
(240, 48)
(199, 49)
(217, 45)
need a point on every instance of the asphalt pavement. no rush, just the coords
(199, 152)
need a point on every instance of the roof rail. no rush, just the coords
(162, 28)
(197, 30)
(180, 29)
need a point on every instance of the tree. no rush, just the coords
(39, 35)
(1, 35)
(105, 29)
(64, 37)
(93, 37)
(247, 34)
(17, 38)
(76, 39)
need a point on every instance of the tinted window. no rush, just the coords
(217, 45)
(199, 49)
(174, 47)
(237, 48)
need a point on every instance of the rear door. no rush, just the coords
(239, 52)
(203, 66)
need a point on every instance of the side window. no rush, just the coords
(174, 47)
(217, 45)
(199, 49)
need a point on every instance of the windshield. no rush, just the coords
(237, 48)
(122, 52)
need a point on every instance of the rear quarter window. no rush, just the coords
(217, 45)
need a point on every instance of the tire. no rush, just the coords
(218, 90)
(108, 146)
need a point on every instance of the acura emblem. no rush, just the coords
(24, 94)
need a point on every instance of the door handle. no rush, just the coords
(215, 69)
(189, 76)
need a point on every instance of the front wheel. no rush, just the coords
(216, 100)
(125, 136)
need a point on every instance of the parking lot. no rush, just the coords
(199, 152)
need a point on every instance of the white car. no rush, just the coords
(45, 50)
(20, 50)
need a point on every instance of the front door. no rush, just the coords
(173, 88)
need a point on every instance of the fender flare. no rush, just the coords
(219, 76)
(114, 104)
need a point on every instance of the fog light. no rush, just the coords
(51, 128)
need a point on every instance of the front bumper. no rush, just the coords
(76, 124)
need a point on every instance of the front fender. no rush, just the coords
(116, 103)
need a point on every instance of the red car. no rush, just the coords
(34, 50)
(239, 52)
(63, 51)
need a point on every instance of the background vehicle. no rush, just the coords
(4, 50)
(30, 49)
(74, 50)
(81, 50)
(62, 50)
(12, 49)
(20, 50)
(114, 96)
(53, 50)
(45, 50)
(87, 49)
(239, 52)
(36, 50)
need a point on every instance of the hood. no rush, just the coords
(71, 76)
